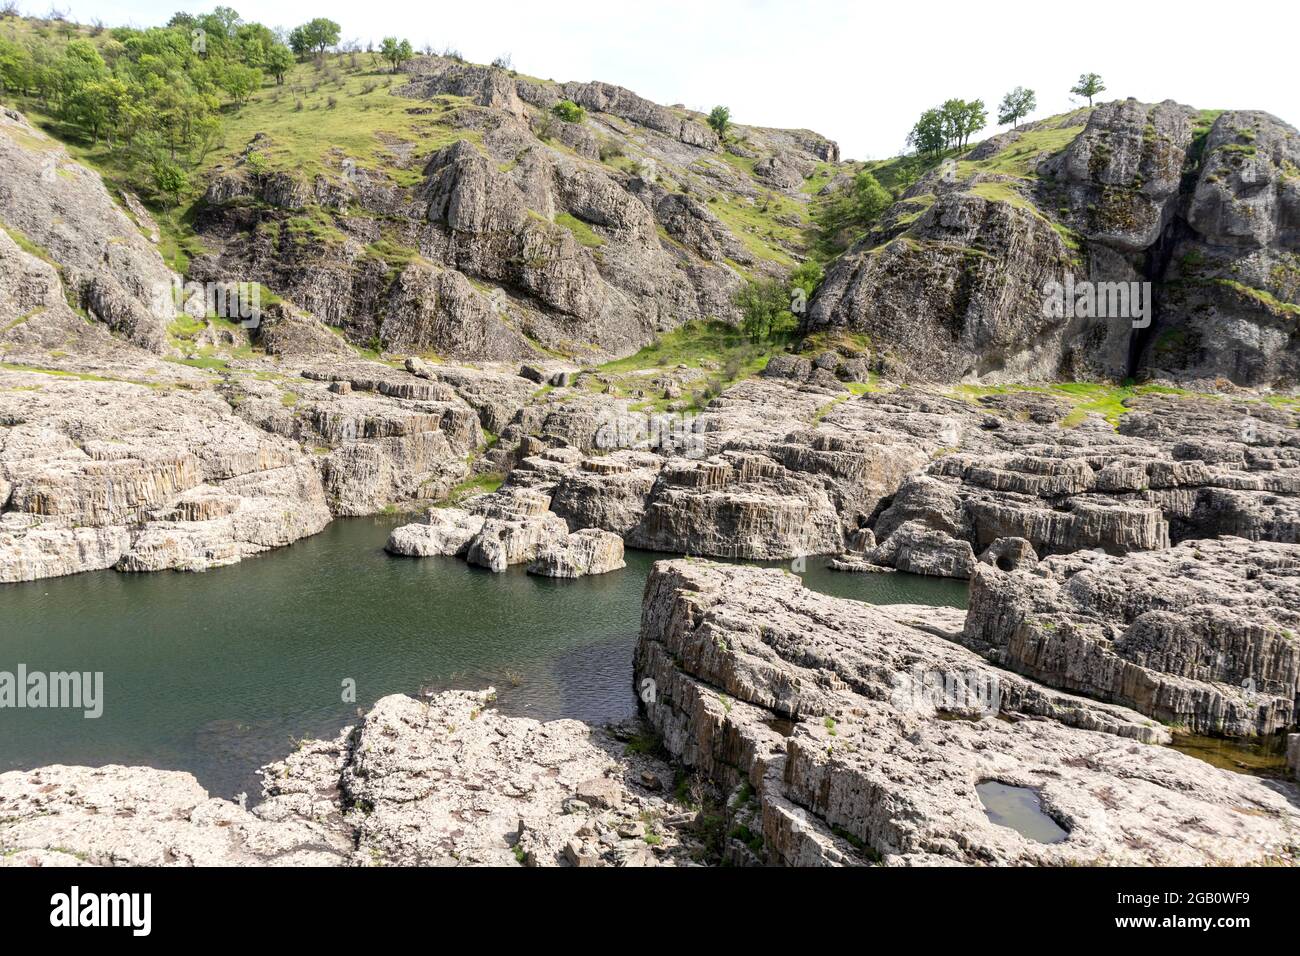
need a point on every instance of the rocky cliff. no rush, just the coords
(953, 283)
(493, 229)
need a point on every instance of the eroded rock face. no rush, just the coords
(446, 781)
(839, 718)
(446, 532)
(107, 265)
(1123, 173)
(954, 280)
(961, 295)
(737, 505)
(138, 816)
(525, 235)
(380, 435)
(1204, 636)
(590, 551)
(1234, 294)
(1178, 468)
(110, 474)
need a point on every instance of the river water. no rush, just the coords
(222, 672)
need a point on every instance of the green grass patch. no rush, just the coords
(478, 485)
(581, 231)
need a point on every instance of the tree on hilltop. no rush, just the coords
(1016, 105)
(1089, 85)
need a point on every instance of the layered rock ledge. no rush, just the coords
(1204, 636)
(446, 781)
(855, 734)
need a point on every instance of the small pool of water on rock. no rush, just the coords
(1020, 809)
(1262, 757)
(222, 672)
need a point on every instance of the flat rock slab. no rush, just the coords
(863, 738)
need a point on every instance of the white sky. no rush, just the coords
(855, 72)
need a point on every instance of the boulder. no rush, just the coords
(445, 531)
(590, 551)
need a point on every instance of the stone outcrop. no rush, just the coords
(738, 506)
(851, 734)
(590, 551)
(955, 279)
(960, 295)
(500, 530)
(384, 436)
(61, 210)
(1232, 289)
(1204, 636)
(523, 234)
(138, 816)
(110, 474)
(1178, 468)
(445, 781)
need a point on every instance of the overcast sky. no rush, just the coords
(859, 73)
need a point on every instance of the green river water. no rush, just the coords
(219, 673)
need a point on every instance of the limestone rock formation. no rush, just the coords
(1178, 468)
(524, 233)
(1204, 636)
(138, 816)
(855, 736)
(589, 551)
(956, 279)
(445, 781)
(110, 474)
(446, 532)
(61, 210)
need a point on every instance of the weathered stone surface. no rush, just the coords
(137, 816)
(445, 531)
(737, 505)
(954, 279)
(610, 492)
(103, 474)
(523, 236)
(445, 781)
(589, 551)
(1179, 468)
(107, 266)
(1204, 636)
(839, 719)
(1234, 276)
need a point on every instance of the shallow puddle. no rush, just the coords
(1019, 809)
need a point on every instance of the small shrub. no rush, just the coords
(569, 111)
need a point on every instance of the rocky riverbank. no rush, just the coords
(862, 734)
(443, 781)
(781, 726)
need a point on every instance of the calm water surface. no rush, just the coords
(219, 673)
